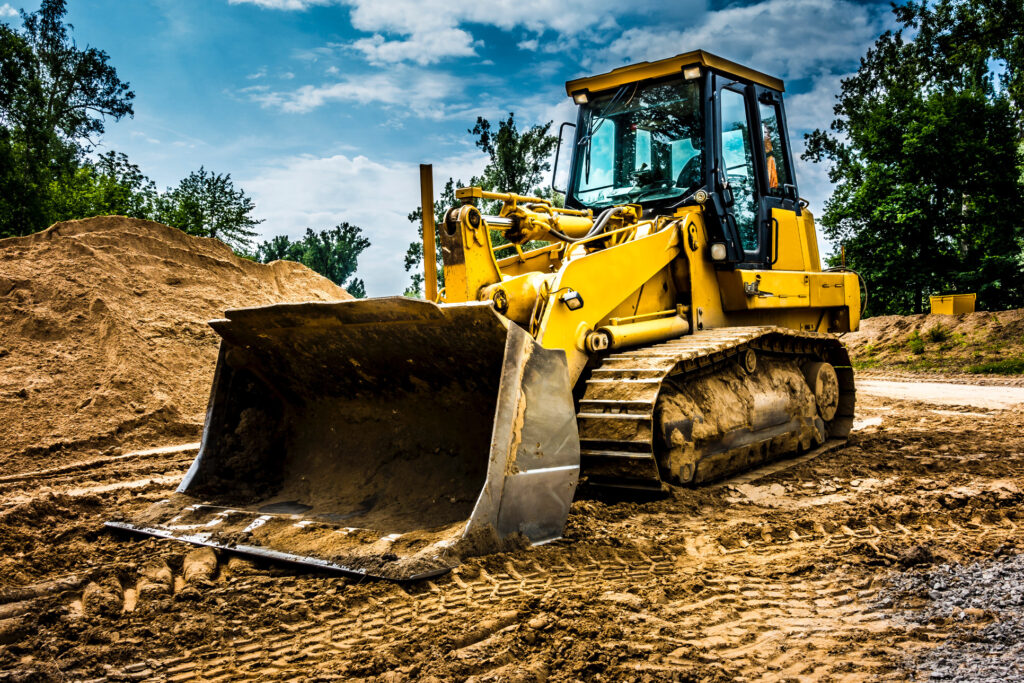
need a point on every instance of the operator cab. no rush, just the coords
(692, 129)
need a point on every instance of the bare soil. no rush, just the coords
(974, 343)
(795, 572)
(862, 563)
(103, 337)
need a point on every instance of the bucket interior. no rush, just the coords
(384, 425)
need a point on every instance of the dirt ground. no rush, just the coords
(970, 343)
(104, 342)
(865, 562)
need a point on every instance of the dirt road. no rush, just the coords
(822, 570)
(986, 396)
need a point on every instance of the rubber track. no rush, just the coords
(626, 386)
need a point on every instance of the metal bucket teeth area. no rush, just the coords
(377, 437)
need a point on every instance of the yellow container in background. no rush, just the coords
(952, 304)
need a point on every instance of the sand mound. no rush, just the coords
(103, 335)
(947, 343)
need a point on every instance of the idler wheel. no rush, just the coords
(821, 378)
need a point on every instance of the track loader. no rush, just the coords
(669, 325)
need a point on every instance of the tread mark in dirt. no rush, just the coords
(732, 607)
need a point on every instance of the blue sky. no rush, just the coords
(322, 109)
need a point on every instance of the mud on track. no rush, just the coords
(801, 574)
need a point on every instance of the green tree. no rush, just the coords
(518, 162)
(208, 204)
(111, 185)
(333, 253)
(54, 98)
(925, 155)
(279, 248)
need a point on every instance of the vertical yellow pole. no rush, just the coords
(429, 250)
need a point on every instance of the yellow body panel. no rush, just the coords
(809, 240)
(604, 279)
(644, 269)
(665, 67)
(469, 263)
(542, 260)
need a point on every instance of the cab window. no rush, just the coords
(596, 173)
(738, 159)
(776, 154)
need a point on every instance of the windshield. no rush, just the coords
(641, 143)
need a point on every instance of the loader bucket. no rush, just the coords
(380, 437)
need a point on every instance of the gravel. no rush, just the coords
(982, 606)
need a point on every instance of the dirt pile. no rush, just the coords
(103, 335)
(980, 343)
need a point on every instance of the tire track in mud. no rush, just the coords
(771, 576)
(739, 618)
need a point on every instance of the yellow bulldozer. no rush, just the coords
(669, 325)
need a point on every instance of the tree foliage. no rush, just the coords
(925, 154)
(111, 185)
(333, 253)
(518, 162)
(54, 98)
(209, 205)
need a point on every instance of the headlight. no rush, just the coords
(572, 300)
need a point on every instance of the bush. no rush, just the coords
(915, 343)
(937, 333)
(1007, 366)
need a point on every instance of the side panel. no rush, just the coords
(789, 242)
(603, 279)
(809, 236)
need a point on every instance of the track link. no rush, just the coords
(617, 410)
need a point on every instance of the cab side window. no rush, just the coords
(775, 152)
(738, 158)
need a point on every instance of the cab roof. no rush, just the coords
(642, 71)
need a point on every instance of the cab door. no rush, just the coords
(738, 171)
(753, 160)
(786, 229)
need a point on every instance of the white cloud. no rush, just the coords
(833, 34)
(571, 17)
(405, 88)
(6, 11)
(320, 192)
(282, 4)
(428, 31)
(422, 47)
(259, 74)
(815, 187)
(814, 108)
(142, 136)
